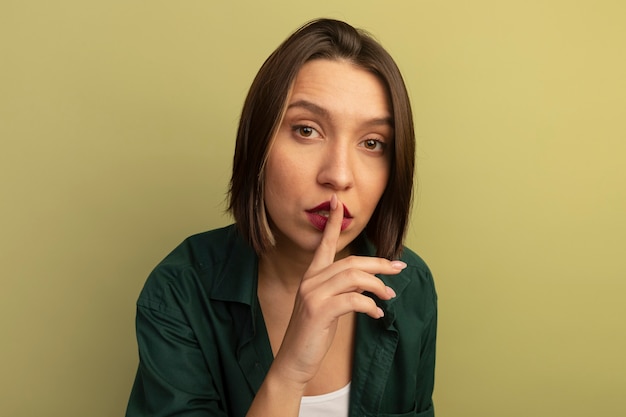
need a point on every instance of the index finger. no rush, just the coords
(325, 252)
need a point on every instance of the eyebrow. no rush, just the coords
(320, 111)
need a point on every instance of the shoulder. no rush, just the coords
(414, 261)
(201, 251)
(192, 268)
(421, 285)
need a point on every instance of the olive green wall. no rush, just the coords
(117, 121)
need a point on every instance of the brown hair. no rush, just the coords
(263, 111)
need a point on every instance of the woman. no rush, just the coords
(309, 305)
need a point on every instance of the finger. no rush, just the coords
(354, 302)
(369, 264)
(325, 252)
(354, 280)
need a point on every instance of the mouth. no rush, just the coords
(318, 216)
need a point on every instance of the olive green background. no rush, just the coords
(117, 125)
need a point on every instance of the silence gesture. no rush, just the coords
(328, 291)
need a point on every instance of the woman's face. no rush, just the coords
(336, 137)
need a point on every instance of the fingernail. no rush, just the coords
(333, 202)
(398, 265)
(381, 313)
(390, 292)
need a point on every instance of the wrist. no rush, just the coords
(278, 396)
(285, 379)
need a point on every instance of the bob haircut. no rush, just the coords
(262, 115)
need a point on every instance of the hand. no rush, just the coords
(328, 291)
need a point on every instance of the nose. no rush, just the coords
(336, 167)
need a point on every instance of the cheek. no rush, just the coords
(377, 191)
(373, 182)
(287, 167)
(283, 175)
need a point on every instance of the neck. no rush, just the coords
(280, 268)
(284, 266)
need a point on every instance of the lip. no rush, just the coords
(319, 221)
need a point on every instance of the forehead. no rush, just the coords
(340, 86)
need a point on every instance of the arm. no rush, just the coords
(172, 378)
(426, 369)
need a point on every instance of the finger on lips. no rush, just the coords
(351, 276)
(325, 253)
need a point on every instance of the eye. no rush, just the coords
(305, 131)
(375, 145)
